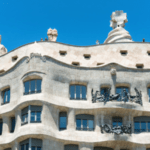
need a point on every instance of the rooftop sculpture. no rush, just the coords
(118, 34)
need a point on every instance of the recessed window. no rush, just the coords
(35, 113)
(116, 121)
(87, 56)
(32, 86)
(63, 53)
(6, 96)
(139, 66)
(105, 92)
(1, 126)
(99, 64)
(141, 124)
(85, 122)
(62, 121)
(71, 147)
(123, 52)
(36, 144)
(24, 115)
(14, 58)
(102, 148)
(78, 92)
(13, 122)
(123, 91)
(76, 63)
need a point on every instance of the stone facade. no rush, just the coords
(51, 62)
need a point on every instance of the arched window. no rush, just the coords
(102, 148)
(32, 86)
(71, 147)
(32, 144)
(123, 91)
(6, 96)
(116, 121)
(85, 122)
(78, 92)
(142, 124)
(62, 120)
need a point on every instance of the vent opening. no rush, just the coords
(62, 53)
(87, 56)
(76, 63)
(14, 58)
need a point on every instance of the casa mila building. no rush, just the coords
(56, 96)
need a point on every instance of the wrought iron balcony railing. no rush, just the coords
(123, 96)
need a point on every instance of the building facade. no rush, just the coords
(56, 96)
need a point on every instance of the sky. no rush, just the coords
(78, 22)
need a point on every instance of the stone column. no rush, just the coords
(83, 146)
(15, 146)
(18, 120)
(6, 125)
(97, 122)
(71, 119)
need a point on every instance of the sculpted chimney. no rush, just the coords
(52, 35)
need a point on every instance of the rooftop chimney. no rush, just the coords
(52, 35)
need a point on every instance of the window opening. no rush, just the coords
(6, 96)
(12, 124)
(123, 91)
(62, 121)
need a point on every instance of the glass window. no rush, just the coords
(12, 124)
(33, 116)
(136, 126)
(78, 124)
(39, 148)
(27, 146)
(33, 148)
(148, 125)
(38, 116)
(77, 92)
(32, 86)
(62, 120)
(1, 127)
(143, 126)
(25, 118)
(91, 124)
(117, 121)
(22, 147)
(6, 96)
(84, 123)
(123, 91)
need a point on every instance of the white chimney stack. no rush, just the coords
(52, 35)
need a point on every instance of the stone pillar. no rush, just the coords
(97, 122)
(18, 120)
(71, 119)
(15, 146)
(6, 125)
(83, 146)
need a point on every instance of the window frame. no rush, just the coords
(81, 94)
(35, 90)
(117, 118)
(12, 130)
(3, 95)
(36, 121)
(63, 114)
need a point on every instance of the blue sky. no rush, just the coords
(79, 22)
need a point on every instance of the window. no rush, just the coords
(6, 96)
(36, 113)
(85, 122)
(105, 92)
(71, 147)
(7, 149)
(78, 92)
(141, 124)
(62, 120)
(63, 53)
(1, 126)
(32, 86)
(123, 91)
(24, 115)
(36, 144)
(102, 148)
(116, 121)
(12, 124)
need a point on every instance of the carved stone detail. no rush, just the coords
(32, 55)
(113, 71)
(125, 96)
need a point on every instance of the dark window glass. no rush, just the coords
(83, 92)
(78, 124)
(24, 118)
(149, 93)
(84, 123)
(33, 148)
(27, 146)
(22, 147)
(77, 92)
(38, 84)
(12, 124)
(33, 116)
(78, 89)
(6, 96)
(148, 125)
(91, 124)
(72, 92)
(136, 127)
(26, 86)
(38, 116)
(123, 91)
(1, 127)
(39, 148)
(117, 121)
(143, 126)
(33, 86)
(62, 120)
